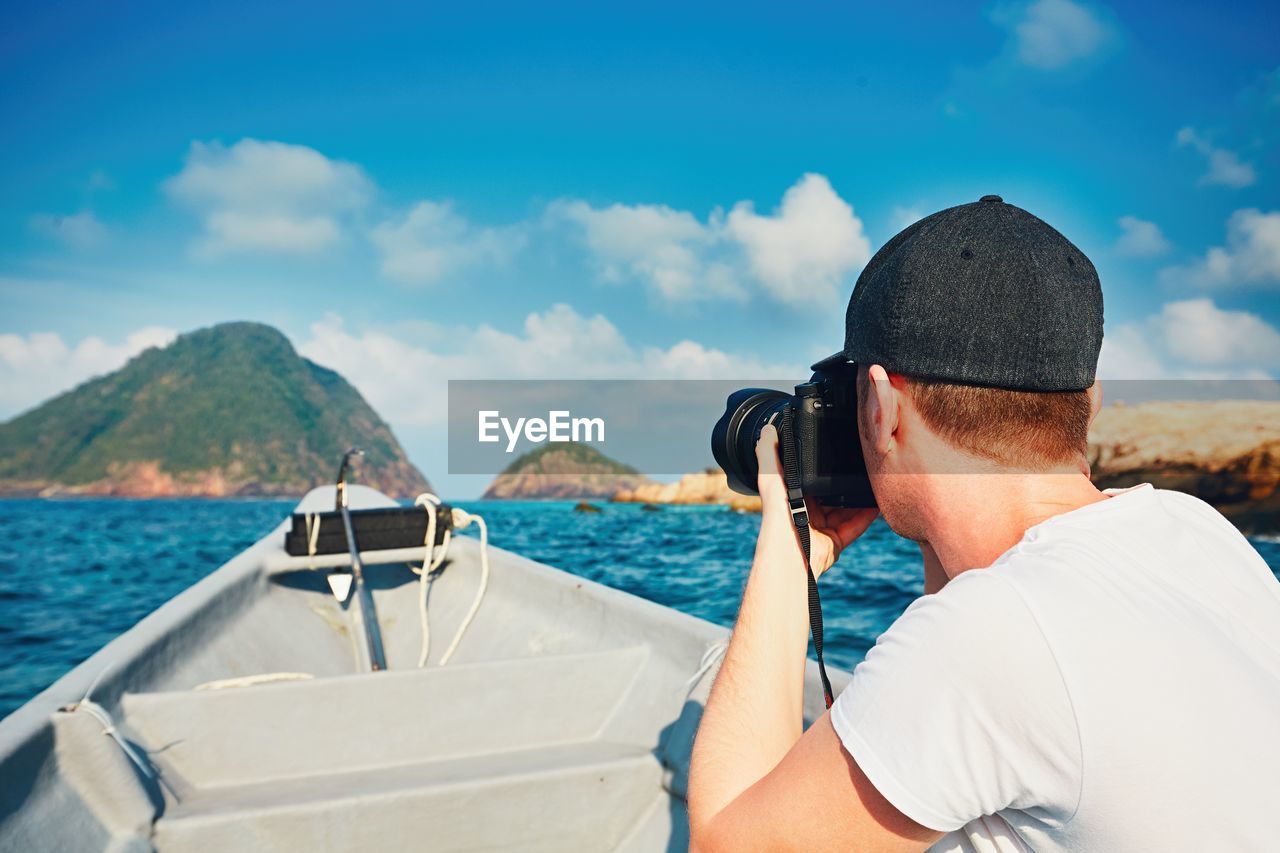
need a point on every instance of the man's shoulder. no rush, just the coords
(1140, 517)
(960, 709)
(1183, 506)
(975, 636)
(979, 597)
(1140, 522)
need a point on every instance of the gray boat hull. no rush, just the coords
(563, 722)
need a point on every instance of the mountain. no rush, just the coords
(227, 410)
(564, 470)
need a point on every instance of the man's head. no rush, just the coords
(914, 431)
(976, 331)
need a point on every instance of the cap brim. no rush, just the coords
(831, 361)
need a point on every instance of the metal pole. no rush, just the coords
(364, 598)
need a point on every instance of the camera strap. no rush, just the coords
(800, 518)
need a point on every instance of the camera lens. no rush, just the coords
(733, 440)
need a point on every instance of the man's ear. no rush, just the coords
(882, 399)
(1095, 399)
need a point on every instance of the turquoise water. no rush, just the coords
(76, 573)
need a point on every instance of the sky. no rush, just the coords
(415, 193)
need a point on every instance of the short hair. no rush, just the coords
(1022, 429)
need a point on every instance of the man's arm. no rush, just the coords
(816, 799)
(755, 781)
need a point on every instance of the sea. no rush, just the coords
(76, 573)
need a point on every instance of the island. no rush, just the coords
(224, 411)
(565, 470)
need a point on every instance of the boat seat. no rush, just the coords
(394, 759)
(330, 725)
(577, 796)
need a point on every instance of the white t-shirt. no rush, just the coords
(1112, 682)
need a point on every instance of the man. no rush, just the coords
(1087, 670)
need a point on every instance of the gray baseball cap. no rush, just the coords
(979, 294)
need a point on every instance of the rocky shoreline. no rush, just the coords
(148, 480)
(1225, 453)
(703, 487)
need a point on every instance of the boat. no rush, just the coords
(271, 707)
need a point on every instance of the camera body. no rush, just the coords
(823, 434)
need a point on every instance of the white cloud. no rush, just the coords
(403, 381)
(802, 253)
(1052, 34)
(1251, 256)
(432, 242)
(1192, 339)
(404, 377)
(807, 247)
(38, 366)
(671, 250)
(237, 231)
(81, 230)
(264, 196)
(1140, 238)
(692, 360)
(1226, 169)
(558, 343)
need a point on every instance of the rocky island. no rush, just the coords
(564, 470)
(228, 410)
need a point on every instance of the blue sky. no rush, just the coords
(414, 192)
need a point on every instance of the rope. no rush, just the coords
(427, 571)
(313, 536)
(713, 655)
(462, 519)
(432, 560)
(335, 577)
(101, 714)
(252, 680)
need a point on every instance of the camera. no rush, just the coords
(820, 425)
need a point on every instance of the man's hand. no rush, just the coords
(833, 528)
